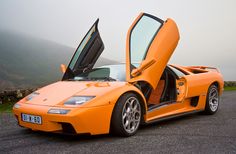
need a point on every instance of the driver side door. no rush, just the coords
(86, 54)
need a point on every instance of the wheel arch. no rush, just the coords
(217, 84)
(140, 97)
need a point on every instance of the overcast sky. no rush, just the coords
(207, 27)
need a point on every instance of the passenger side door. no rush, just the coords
(149, 46)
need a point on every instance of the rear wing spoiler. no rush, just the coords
(207, 68)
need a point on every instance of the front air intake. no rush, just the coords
(68, 128)
(194, 101)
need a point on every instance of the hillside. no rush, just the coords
(27, 62)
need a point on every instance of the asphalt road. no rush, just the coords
(190, 134)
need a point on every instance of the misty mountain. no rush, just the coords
(27, 62)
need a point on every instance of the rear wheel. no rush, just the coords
(126, 116)
(212, 101)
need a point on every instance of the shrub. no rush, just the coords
(230, 83)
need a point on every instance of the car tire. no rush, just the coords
(212, 100)
(126, 116)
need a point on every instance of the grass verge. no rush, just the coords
(6, 107)
(229, 88)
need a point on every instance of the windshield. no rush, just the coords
(103, 73)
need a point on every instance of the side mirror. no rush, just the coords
(144, 65)
(63, 68)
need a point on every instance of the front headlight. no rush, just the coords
(58, 111)
(78, 100)
(31, 96)
(16, 106)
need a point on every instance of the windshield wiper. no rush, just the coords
(109, 78)
(82, 79)
(103, 78)
(93, 79)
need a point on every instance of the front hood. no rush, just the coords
(57, 93)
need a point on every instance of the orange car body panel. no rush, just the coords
(94, 116)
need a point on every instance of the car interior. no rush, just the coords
(165, 92)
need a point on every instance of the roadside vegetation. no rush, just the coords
(229, 88)
(230, 85)
(6, 107)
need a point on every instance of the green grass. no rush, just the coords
(229, 88)
(6, 107)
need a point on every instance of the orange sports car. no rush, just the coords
(119, 98)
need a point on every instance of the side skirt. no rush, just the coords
(172, 116)
(158, 106)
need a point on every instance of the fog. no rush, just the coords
(207, 28)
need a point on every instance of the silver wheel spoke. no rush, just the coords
(126, 123)
(131, 114)
(211, 103)
(128, 110)
(213, 96)
(124, 116)
(135, 107)
(131, 102)
(129, 126)
(136, 120)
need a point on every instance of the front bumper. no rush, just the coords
(92, 120)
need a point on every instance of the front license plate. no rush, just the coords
(31, 118)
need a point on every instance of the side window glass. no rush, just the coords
(141, 37)
(177, 72)
(81, 47)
